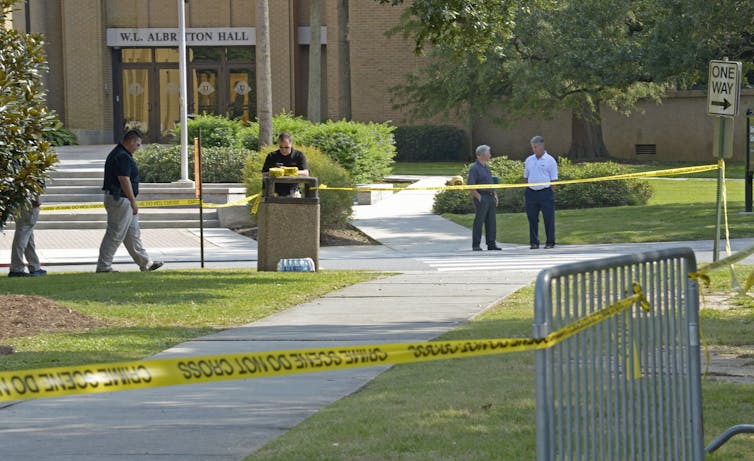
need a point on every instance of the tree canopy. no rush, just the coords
(25, 157)
(546, 57)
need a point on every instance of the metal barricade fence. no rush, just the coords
(628, 388)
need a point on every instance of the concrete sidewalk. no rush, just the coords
(228, 420)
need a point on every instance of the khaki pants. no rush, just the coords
(122, 227)
(23, 242)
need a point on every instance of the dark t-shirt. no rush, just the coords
(120, 162)
(296, 158)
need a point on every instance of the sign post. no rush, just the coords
(723, 92)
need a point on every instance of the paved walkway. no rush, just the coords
(228, 420)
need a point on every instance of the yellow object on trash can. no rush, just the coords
(290, 171)
(277, 172)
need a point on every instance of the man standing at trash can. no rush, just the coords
(286, 155)
(121, 186)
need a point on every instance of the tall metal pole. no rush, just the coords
(718, 212)
(183, 90)
(749, 173)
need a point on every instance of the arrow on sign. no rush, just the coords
(724, 103)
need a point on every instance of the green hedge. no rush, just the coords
(162, 163)
(216, 131)
(433, 143)
(585, 195)
(366, 150)
(335, 206)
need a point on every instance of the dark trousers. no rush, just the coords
(544, 201)
(485, 216)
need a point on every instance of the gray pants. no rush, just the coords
(122, 227)
(23, 242)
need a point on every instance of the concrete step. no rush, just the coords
(55, 189)
(72, 198)
(90, 182)
(89, 173)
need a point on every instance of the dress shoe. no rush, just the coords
(18, 274)
(494, 248)
(476, 249)
(534, 247)
(549, 245)
(38, 273)
(155, 265)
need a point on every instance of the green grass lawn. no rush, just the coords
(681, 209)
(484, 408)
(146, 313)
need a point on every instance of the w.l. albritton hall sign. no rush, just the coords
(155, 37)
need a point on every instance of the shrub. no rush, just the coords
(216, 131)
(602, 193)
(511, 199)
(59, 135)
(584, 195)
(434, 143)
(365, 150)
(335, 206)
(162, 163)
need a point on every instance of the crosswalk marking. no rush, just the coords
(508, 262)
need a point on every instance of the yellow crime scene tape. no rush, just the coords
(153, 204)
(121, 376)
(256, 198)
(644, 174)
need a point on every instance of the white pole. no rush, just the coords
(184, 92)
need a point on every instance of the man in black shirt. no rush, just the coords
(121, 187)
(286, 155)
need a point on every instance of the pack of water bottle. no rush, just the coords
(296, 265)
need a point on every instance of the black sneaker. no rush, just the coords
(549, 245)
(38, 273)
(476, 249)
(18, 274)
(495, 248)
(155, 265)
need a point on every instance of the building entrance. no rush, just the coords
(221, 81)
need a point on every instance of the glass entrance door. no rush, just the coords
(136, 106)
(151, 102)
(169, 113)
(205, 91)
(243, 100)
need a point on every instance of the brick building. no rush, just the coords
(114, 65)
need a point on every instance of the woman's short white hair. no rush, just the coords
(484, 148)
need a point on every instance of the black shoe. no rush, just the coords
(476, 249)
(155, 265)
(18, 274)
(549, 245)
(534, 247)
(494, 248)
(38, 273)
(107, 271)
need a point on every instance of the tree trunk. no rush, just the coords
(586, 137)
(264, 74)
(313, 106)
(344, 61)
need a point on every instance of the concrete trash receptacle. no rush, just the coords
(288, 227)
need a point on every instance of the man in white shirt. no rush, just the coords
(539, 168)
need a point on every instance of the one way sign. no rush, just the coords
(724, 88)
